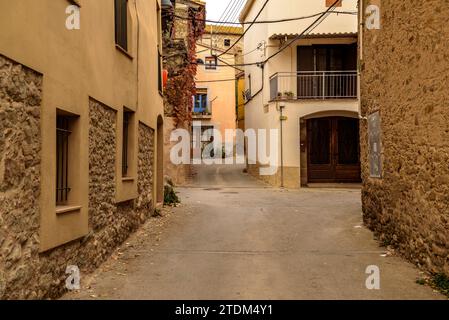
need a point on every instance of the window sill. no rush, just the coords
(60, 210)
(128, 179)
(125, 52)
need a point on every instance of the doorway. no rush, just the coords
(160, 160)
(333, 150)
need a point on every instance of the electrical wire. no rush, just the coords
(227, 14)
(220, 80)
(267, 21)
(310, 28)
(227, 27)
(247, 29)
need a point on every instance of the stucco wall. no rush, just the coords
(404, 76)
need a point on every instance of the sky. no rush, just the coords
(215, 8)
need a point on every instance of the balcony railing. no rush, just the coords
(314, 85)
(205, 112)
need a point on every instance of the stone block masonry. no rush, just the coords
(405, 77)
(20, 169)
(24, 272)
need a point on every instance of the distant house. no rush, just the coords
(217, 87)
(312, 83)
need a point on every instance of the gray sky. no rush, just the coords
(215, 8)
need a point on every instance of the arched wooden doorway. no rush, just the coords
(160, 160)
(333, 149)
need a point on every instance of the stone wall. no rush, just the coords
(405, 77)
(144, 202)
(20, 168)
(24, 272)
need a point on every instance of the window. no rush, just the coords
(62, 159)
(159, 71)
(127, 117)
(227, 42)
(211, 63)
(200, 101)
(121, 23)
(159, 49)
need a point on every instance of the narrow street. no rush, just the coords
(234, 238)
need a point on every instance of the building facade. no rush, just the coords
(405, 134)
(81, 124)
(305, 85)
(217, 91)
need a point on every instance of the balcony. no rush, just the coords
(202, 113)
(313, 85)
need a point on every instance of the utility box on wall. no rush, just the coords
(375, 145)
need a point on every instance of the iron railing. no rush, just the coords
(62, 159)
(313, 85)
(202, 110)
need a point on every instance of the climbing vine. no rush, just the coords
(180, 62)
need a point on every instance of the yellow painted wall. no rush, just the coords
(76, 65)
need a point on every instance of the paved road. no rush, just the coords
(234, 238)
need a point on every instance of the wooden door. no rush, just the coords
(333, 150)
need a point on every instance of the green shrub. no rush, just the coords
(170, 196)
(441, 282)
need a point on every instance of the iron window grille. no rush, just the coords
(121, 23)
(159, 69)
(211, 63)
(62, 159)
(125, 142)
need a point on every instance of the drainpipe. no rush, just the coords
(360, 60)
(281, 108)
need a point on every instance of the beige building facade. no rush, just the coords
(309, 89)
(80, 135)
(405, 134)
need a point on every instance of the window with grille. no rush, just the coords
(211, 63)
(159, 50)
(200, 101)
(125, 142)
(62, 159)
(159, 69)
(121, 23)
(227, 42)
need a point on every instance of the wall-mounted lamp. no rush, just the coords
(166, 4)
